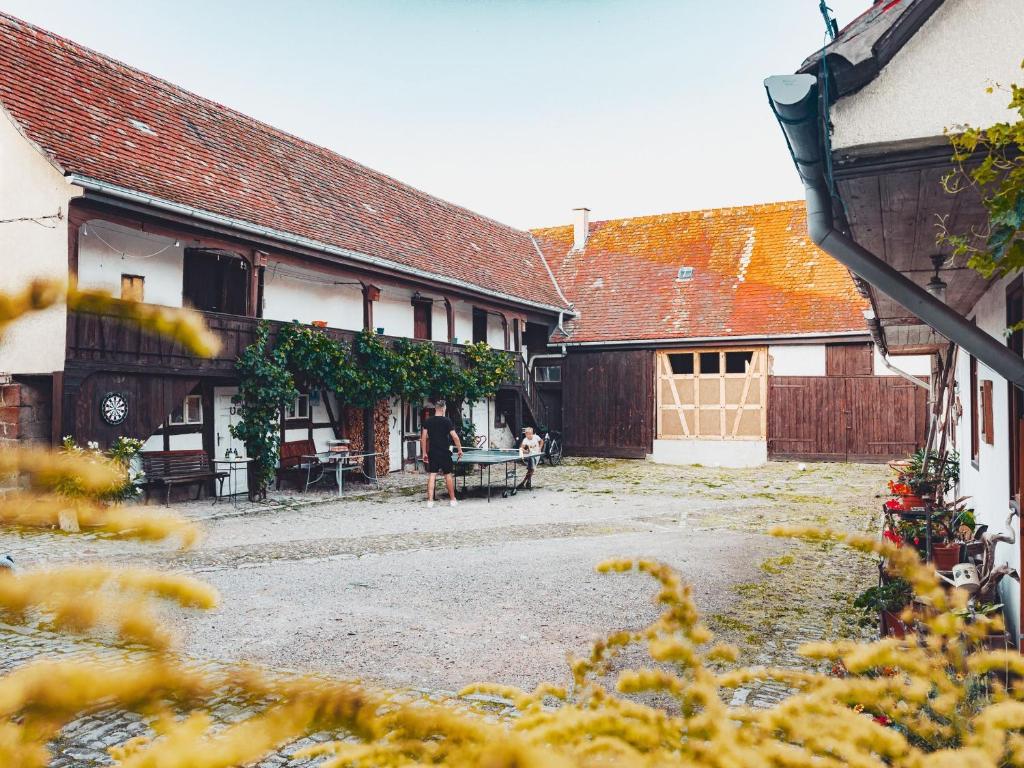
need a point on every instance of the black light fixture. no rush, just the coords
(937, 286)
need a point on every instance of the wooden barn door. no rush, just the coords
(845, 418)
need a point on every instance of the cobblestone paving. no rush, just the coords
(784, 593)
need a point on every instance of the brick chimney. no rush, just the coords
(580, 228)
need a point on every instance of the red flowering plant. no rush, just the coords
(899, 488)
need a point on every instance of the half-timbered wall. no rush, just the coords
(711, 394)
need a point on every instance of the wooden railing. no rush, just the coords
(521, 381)
(104, 340)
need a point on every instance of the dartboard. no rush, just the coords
(114, 408)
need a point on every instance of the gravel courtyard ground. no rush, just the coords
(378, 587)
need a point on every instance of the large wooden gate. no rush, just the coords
(845, 418)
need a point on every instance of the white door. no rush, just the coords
(224, 415)
(395, 436)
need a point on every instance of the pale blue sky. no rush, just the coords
(518, 110)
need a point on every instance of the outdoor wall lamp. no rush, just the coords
(937, 286)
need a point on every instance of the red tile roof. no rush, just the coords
(755, 273)
(101, 119)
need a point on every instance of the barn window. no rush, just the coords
(681, 362)
(132, 287)
(737, 362)
(215, 282)
(710, 362)
(298, 408)
(189, 412)
(722, 398)
(479, 325)
(549, 373)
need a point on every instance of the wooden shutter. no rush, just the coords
(987, 422)
(422, 314)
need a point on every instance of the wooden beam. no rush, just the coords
(370, 294)
(324, 394)
(449, 311)
(504, 329)
(56, 408)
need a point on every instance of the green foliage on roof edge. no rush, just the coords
(306, 358)
(998, 249)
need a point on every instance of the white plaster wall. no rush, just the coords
(988, 484)
(31, 186)
(938, 80)
(192, 441)
(153, 443)
(439, 321)
(495, 332)
(915, 365)
(100, 265)
(393, 311)
(711, 453)
(464, 322)
(481, 415)
(297, 294)
(797, 360)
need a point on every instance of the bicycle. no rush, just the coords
(552, 447)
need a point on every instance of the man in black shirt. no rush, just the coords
(436, 438)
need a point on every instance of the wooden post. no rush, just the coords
(370, 294)
(504, 330)
(259, 265)
(449, 311)
(370, 441)
(56, 408)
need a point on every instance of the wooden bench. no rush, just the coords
(291, 458)
(166, 469)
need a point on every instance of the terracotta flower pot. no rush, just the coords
(945, 556)
(893, 625)
(912, 501)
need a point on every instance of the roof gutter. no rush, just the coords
(797, 338)
(794, 99)
(121, 193)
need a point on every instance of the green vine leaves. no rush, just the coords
(305, 358)
(998, 248)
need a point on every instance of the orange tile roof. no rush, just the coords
(755, 273)
(101, 119)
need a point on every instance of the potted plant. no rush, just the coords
(888, 601)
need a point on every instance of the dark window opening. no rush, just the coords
(681, 363)
(479, 325)
(215, 282)
(710, 362)
(516, 340)
(737, 362)
(422, 319)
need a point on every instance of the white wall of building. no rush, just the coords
(31, 186)
(106, 251)
(796, 360)
(393, 311)
(938, 80)
(711, 453)
(292, 293)
(988, 484)
(915, 365)
(495, 332)
(463, 322)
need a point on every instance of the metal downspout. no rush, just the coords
(794, 99)
(908, 376)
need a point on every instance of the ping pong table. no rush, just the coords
(484, 459)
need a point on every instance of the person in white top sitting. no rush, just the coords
(530, 449)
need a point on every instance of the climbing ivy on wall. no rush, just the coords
(265, 387)
(307, 358)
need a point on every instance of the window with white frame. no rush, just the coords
(298, 409)
(548, 373)
(189, 412)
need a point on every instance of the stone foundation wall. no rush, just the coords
(26, 410)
